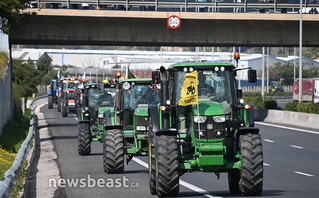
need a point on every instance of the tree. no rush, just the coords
(10, 14)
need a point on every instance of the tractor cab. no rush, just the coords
(69, 103)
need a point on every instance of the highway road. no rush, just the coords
(291, 165)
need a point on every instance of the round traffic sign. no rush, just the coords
(173, 22)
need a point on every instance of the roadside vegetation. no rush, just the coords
(14, 133)
(305, 107)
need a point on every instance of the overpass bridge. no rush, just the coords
(142, 28)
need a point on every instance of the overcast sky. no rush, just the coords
(4, 45)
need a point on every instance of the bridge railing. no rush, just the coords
(183, 5)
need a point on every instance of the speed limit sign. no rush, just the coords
(173, 22)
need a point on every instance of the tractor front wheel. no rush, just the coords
(166, 165)
(84, 139)
(50, 102)
(64, 112)
(151, 164)
(251, 177)
(59, 106)
(113, 153)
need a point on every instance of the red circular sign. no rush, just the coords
(173, 22)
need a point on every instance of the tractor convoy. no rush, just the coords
(187, 117)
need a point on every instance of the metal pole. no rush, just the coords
(300, 54)
(204, 54)
(213, 50)
(268, 70)
(239, 80)
(294, 64)
(263, 74)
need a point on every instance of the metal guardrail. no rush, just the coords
(186, 4)
(10, 177)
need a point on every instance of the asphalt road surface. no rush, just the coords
(291, 166)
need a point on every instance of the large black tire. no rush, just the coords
(50, 102)
(233, 181)
(251, 181)
(59, 106)
(84, 139)
(64, 112)
(167, 180)
(151, 164)
(113, 153)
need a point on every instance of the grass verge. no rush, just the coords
(13, 135)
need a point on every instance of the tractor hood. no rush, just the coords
(209, 109)
(141, 110)
(103, 109)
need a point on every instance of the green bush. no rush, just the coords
(259, 102)
(305, 107)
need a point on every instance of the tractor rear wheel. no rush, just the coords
(251, 177)
(50, 102)
(113, 153)
(167, 180)
(59, 106)
(64, 112)
(84, 139)
(151, 163)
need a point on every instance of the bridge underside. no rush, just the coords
(210, 29)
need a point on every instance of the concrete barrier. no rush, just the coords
(298, 119)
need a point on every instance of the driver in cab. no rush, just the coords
(203, 88)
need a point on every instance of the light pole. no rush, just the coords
(300, 53)
(263, 75)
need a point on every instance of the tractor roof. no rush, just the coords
(201, 65)
(68, 90)
(137, 80)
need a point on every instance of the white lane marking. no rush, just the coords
(181, 182)
(304, 174)
(290, 128)
(271, 141)
(76, 118)
(266, 164)
(298, 147)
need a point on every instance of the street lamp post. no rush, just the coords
(300, 53)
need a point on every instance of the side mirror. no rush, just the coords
(239, 93)
(154, 77)
(252, 76)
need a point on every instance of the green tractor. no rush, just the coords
(126, 128)
(96, 99)
(202, 124)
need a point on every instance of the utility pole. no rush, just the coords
(263, 74)
(300, 54)
(268, 70)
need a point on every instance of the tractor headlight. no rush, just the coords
(101, 115)
(200, 119)
(141, 128)
(86, 108)
(220, 118)
(86, 114)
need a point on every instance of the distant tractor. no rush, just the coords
(126, 128)
(208, 129)
(276, 86)
(52, 95)
(69, 102)
(96, 99)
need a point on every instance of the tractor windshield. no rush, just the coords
(69, 94)
(139, 95)
(54, 86)
(212, 87)
(72, 85)
(97, 98)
